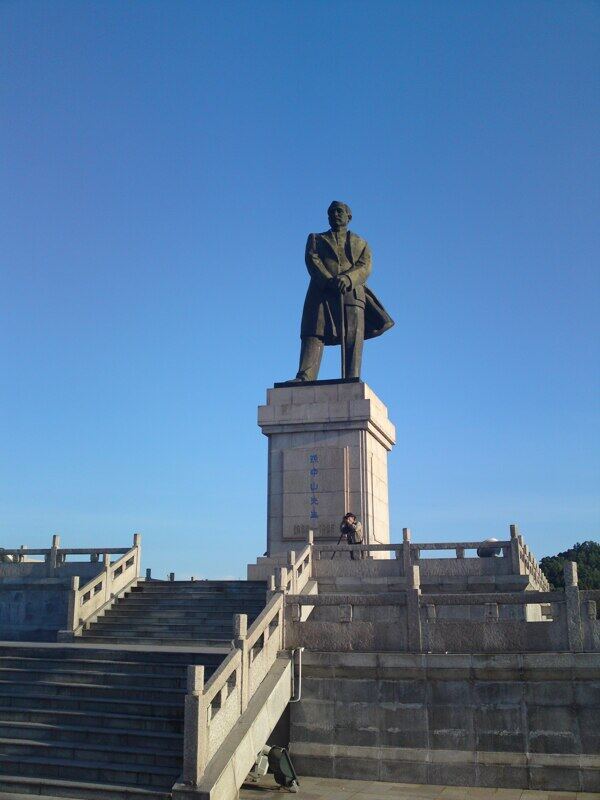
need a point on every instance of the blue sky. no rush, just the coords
(161, 165)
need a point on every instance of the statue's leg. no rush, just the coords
(311, 353)
(355, 336)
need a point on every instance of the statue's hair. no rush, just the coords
(339, 203)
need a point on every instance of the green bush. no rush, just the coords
(587, 556)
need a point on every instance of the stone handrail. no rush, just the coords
(522, 561)
(56, 554)
(399, 598)
(293, 578)
(415, 549)
(87, 601)
(213, 709)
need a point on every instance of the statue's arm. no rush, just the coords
(316, 268)
(361, 269)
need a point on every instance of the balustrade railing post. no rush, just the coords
(240, 633)
(292, 569)
(573, 608)
(107, 576)
(591, 637)
(53, 555)
(406, 554)
(195, 727)
(281, 579)
(515, 561)
(73, 612)
(137, 543)
(413, 612)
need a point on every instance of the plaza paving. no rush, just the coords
(336, 789)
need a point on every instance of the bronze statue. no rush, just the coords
(338, 309)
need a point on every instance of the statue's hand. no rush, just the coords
(343, 283)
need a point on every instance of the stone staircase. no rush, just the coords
(103, 718)
(187, 613)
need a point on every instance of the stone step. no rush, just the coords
(149, 640)
(159, 632)
(175, 627)
(116, 693)
(179, 621)
(218, 586)
(183, 612)
(149, 602)
(76, 751)
(133, 679)
(120, 655)
(112, 722)
(150, 777)
(140, 669)
(141, 708)
(152, 741)
(19, 787)
(244, 590)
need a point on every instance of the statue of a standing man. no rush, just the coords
(338, 263)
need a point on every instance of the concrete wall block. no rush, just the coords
(453, 693)
(313, 714)
(409, 692)
(500, 741)
(550, 693)
(590, 780)
(587, 694)
(501, 775)
(392, 717)
(365, 769)
(355, 691)
(403, 772)
(553, 730)
(313, 766)
(589, 730)
(356, 717)
(403, 727)
(498, 693)
(452, 774)
(451, 728)
(491, 719)
(317, 688)
(548, 777)
(316, 734)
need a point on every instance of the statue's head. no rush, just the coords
(339, 215)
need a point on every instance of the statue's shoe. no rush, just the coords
(297, 379)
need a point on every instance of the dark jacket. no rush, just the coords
(353, 533)
(320, 316)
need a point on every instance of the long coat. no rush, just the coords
(320, 316)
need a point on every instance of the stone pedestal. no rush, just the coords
(328, 447)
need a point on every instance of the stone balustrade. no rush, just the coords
(87, 602)
(56, 555)
(409, 621)
(213, 709)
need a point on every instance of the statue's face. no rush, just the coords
(338, 217)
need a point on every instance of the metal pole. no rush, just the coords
(343, 335)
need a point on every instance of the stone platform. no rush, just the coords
(337, 789)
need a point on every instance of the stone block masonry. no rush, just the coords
(328, 446)
(523, 721)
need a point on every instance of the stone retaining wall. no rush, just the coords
(528, 721)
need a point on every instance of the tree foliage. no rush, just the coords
(587, 556)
